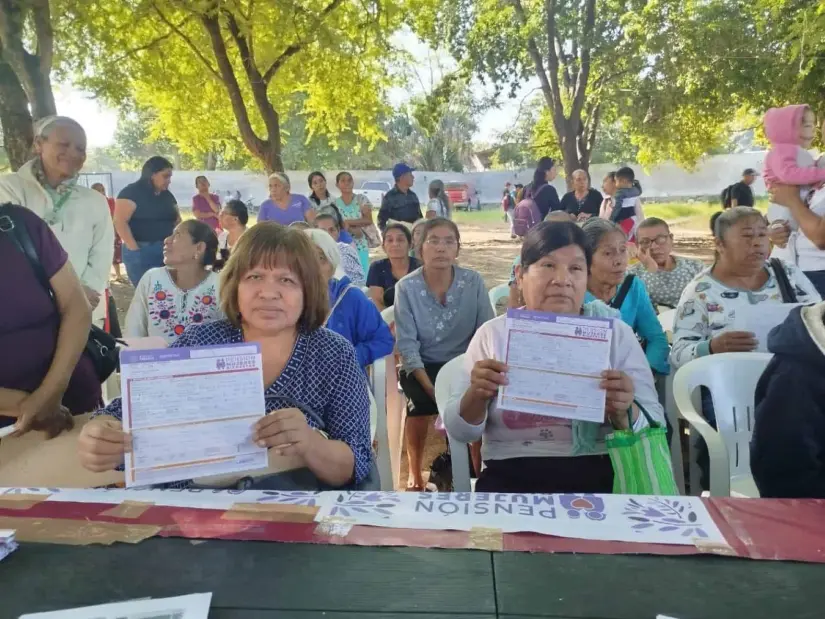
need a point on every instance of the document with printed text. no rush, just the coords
(555, 363)
(191, 412)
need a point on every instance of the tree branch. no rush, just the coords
(294, 48)
(553, 64)
(41, 16)
(188, 41)
(584, 68)
(533, 49)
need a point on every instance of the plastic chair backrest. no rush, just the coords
(458, 451)
(497, 293)
(380, 434)
(731, 379)
(388, 315)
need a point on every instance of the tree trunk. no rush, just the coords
(211, 161)
(40, 95)
(15, 118)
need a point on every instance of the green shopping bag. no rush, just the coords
(641, 460)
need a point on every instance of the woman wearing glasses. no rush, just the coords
(438, 309)
(666, 276)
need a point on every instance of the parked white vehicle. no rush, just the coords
(375, 190)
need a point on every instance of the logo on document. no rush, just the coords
(240, 362)
(588, 504)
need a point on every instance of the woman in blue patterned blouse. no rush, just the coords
(274, 294)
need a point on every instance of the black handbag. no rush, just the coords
(782, 281)
(100, 347)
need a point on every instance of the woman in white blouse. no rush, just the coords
(532, 453)
(170, 298)
(78, 216)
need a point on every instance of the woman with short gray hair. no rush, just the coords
(283, 206)
(79, 217)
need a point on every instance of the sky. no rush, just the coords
(100, 121)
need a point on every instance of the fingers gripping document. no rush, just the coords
(554, 365)
(190, 412)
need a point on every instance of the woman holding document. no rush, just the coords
(274, 294)
(534, 453)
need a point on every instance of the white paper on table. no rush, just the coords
(554, 365)
(195, 606)
(760, 319)
(191, 411)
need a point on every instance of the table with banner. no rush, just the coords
(404, 554)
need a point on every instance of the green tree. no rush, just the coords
(220, 72)
(26, 55)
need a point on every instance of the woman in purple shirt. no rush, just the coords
(206, 206)
(44, 375)
(282, 206)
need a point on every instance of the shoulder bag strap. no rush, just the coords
(337, 301)
(617, 301)
(785, 288)
(18, 233)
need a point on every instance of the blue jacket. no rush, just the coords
(788, 442)
(359, 321)
(637, 312)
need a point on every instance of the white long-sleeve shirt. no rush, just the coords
(84, 226)
(508, 434)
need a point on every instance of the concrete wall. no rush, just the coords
(662, 182)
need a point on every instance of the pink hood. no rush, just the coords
(782, 123)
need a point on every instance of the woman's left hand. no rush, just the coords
(287, 432)
(620, 394)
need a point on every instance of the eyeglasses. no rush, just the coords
(659, 240)
(435, 241)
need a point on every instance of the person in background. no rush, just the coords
(184, 292)
(508, 205)
(417, 229)
(385, 273)
(351, 314)
(541, 189)
(608, 190)
(789, 419)
(79, 217)
(538, 454)
(357, 213)
(627, 207)
(146, 213)
(318, 410)
(439, 204)
(741, 193)
(607, 283)
(323, 202)
(348, 256)
(664, 275)
(282, 206)
(519, 192)
(206, 207)
(44, 375)
(400, 203)
(810, 238)
(438, 309)
(117, 257)
(584, 201)
(234, 217)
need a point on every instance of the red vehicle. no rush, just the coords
(463, 195)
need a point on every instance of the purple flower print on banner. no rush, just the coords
(373, 503)
(665, 515)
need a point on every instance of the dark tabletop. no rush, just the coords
(250, 580)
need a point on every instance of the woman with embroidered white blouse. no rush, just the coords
(78, 216)
(170, 298)
(533, 453)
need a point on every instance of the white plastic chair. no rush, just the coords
(388, 315)
(731, 379)
(497, 293)
(380, 434)
(446, 378)
(666, 319)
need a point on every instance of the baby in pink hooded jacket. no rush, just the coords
(791, 130)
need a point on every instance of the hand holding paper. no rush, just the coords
(102, 444)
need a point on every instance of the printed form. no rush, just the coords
(554, 365)
(761, 319)
(191, 411)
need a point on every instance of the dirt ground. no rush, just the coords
(489, 250)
